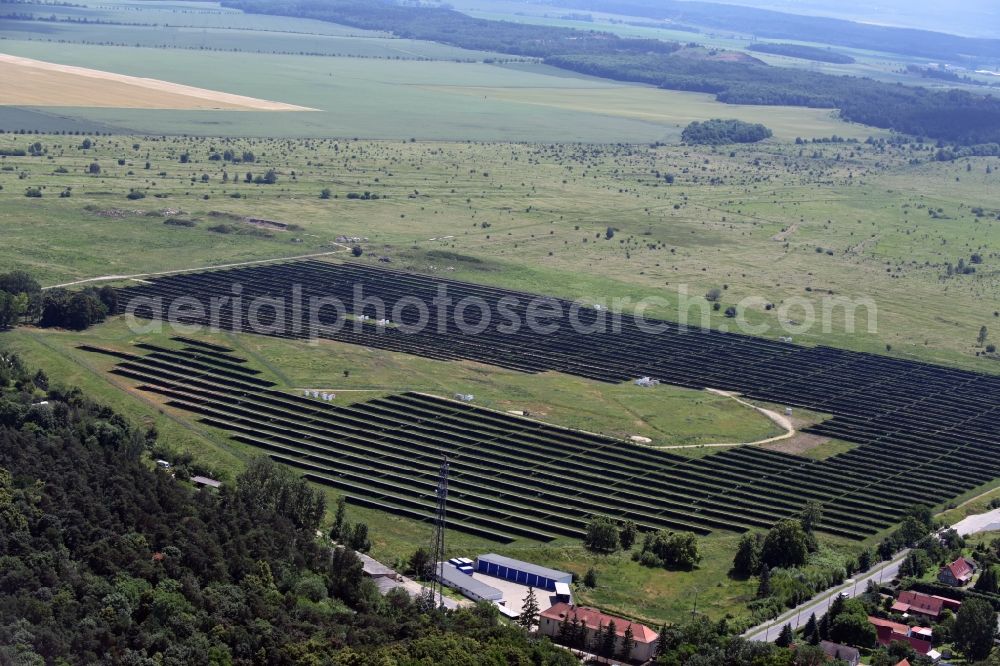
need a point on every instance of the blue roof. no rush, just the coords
(527, 567)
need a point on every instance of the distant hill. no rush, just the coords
(977, 18)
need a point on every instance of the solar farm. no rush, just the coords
(924, 433)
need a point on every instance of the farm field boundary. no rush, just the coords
(30, 82)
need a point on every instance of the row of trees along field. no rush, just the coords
(951, 116)
(108, 559)
(23, 301)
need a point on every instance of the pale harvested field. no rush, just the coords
(668, 107)
(28, 82)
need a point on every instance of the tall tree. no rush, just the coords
(359, 540)
(988, 580)
(628, 644)
(975, 628)
(602, 535)
(662, 642)
(786, 545)
(597, 640)
(339, 520)
(565, 631)
(609, 640)
(811, 630)
(811, 516)
(529, 611)
(627, 534)
(578, 633)
(785, 637)
(421, 564)
(746, 562)
(764, 585)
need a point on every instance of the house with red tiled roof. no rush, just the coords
(957, 573)
(951, 604)
(592, 621)
(905, 662)
(887, 631)
(923, 604)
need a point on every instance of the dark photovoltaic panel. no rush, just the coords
(925, 433)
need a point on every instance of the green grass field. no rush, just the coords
(749, 223)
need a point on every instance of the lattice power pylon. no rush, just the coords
(437, 586)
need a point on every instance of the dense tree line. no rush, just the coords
(23, 301)
(440, 24)
(106, 559)
(77, 310)
(717, 132)
(20, 298)
(804, 52)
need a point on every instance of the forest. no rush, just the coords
(105, 558)
(950, 116)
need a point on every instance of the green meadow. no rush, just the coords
(821, 231)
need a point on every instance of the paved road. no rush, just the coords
(797, 617)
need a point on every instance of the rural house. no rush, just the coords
(887, 631)
(593, 620)
(923, 604)
(843, 652)
(957, 573)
